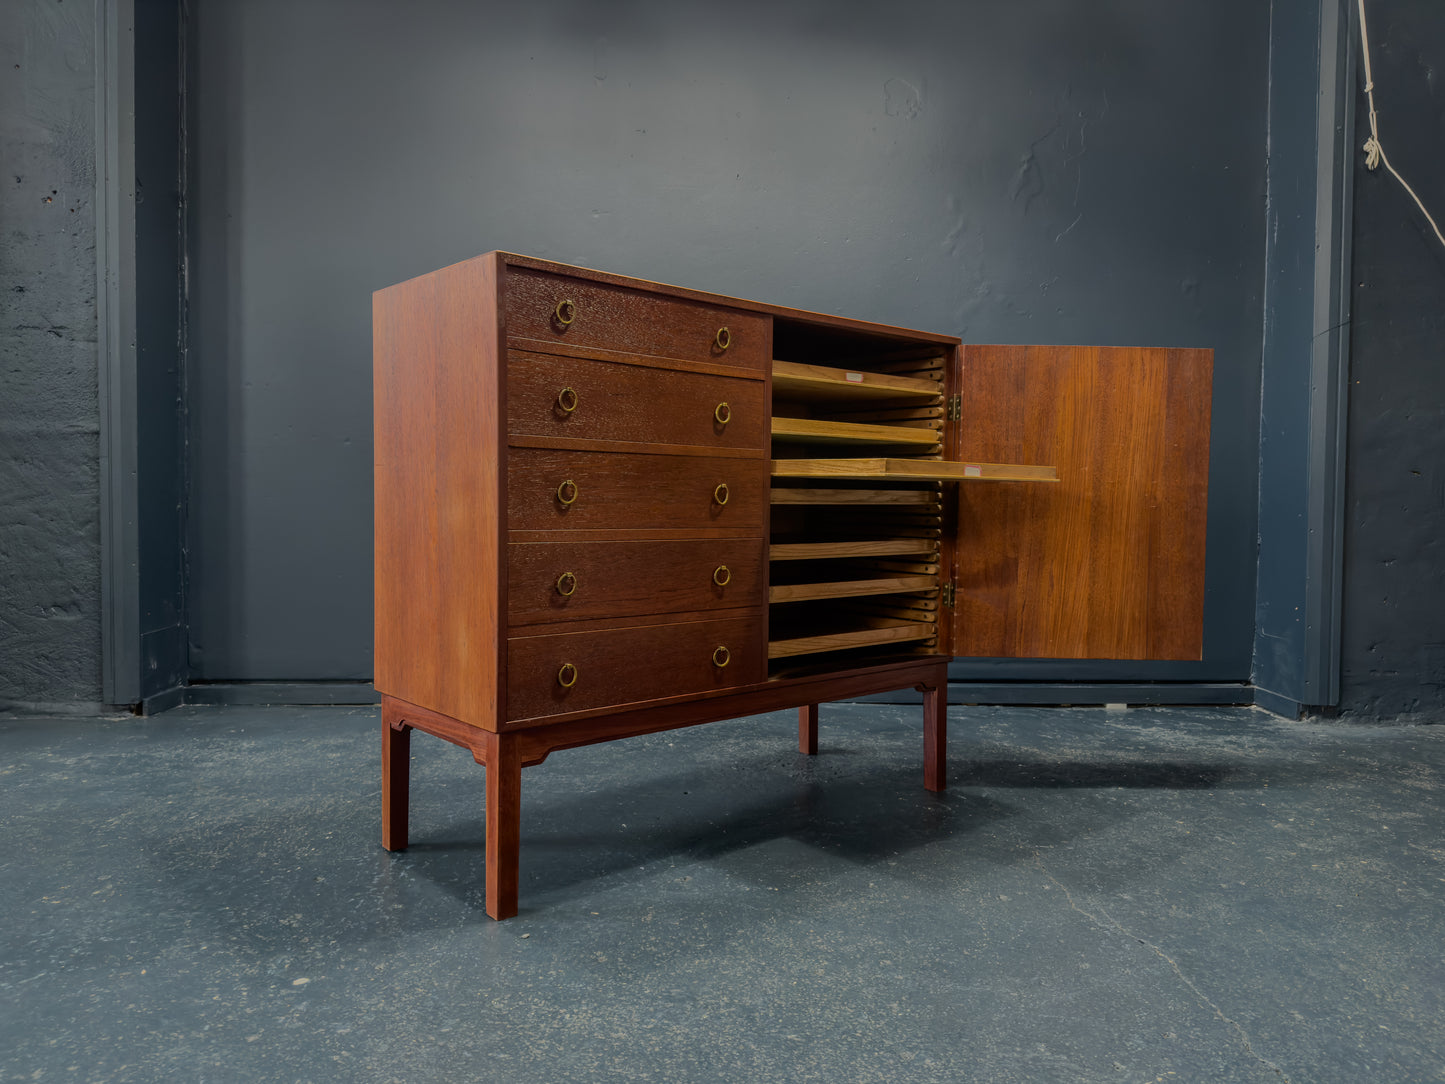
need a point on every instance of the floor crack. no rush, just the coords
(1108, 922)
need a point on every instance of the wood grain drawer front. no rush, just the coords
(557, 581)
(552, 396)
(563, 491)
(555, 308)
(574, 671)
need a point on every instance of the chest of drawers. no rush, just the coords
(607, 507)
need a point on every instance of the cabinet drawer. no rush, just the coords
(555, 581)
(573, 671)
(558, 490)
(632, 321)
(552, 396)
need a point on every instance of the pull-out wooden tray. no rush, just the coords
(883, 632)
(820, 383)
(886, 585)
(872, 498)
(935, 469)
(817, 431)
(818, 551)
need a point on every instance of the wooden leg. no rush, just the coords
(395, 780)
(808, 729)
(935, 732)
(504, 814)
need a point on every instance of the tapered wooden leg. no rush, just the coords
(504, 814)
(395, 783)
(808, 729)
(935, 732)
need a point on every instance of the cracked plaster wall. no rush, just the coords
(50, 614)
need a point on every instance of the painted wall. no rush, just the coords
(1304, 390)
(50, 651)
(1040, 172)
(1393, 650)
(160, 342)
(1022, 174)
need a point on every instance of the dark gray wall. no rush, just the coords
(50, 619)
(1304, 391)
(1039, 172)
(160, 433)
(1393, 650)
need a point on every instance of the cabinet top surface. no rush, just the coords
(781, 312)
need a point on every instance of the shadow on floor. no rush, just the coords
(1076, 773)
(600, 819)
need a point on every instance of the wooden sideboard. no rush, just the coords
(608, 507)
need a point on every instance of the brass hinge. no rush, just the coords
(947, 595)
(955, 407)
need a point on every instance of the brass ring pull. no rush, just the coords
(722, 575)
(721, 656)
(566, 584)
(568, 486)
(566, 312)
(567, 400)
(567, 675)
(724, 338)
(720, 494)
(723, 414)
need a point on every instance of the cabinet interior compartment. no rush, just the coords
(836, 396)
(854, 561)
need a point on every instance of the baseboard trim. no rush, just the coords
(10, 709)
(254, 694)
(1277, 704)
(297, 693)
(1068, 693)
(1023, 693)
(159, 702)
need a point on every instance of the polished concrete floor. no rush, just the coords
(1142, 895)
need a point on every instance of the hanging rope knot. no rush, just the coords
(1373, 153)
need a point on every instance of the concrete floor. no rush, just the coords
(1149, 895)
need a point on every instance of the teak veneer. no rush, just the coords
(607, 507)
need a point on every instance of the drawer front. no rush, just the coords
(552, 396)
(563, 491)
(632, 321)
(574, 671)
(556, 581)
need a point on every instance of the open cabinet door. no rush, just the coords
(1108, 563)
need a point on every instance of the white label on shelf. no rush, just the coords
(972, 470)
(856, 378)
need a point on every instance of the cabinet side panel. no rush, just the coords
(404, 472)
(1108, 563)
(438, 486)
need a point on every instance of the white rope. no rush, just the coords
(1374, 153)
